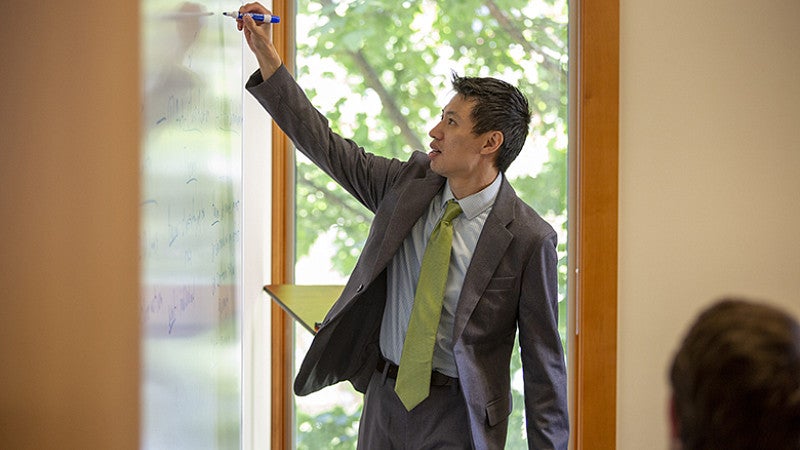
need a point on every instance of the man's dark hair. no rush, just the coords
(736, 379)
(499, 106)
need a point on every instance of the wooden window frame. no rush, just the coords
(593, 232)
(594, 219)
(282, 257)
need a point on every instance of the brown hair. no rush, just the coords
(499, 106)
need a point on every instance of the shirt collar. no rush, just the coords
(478, 202)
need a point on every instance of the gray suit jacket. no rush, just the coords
(511, 282)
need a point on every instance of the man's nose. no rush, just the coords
(434, 132)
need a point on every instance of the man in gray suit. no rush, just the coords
(501, 276)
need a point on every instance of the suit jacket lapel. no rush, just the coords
(411, 203)
(492, 244)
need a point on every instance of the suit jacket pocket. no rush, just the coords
(497, 411)
(501, 284)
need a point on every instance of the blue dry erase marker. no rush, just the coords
(256, 16)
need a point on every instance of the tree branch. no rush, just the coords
(373, 81)
(505, 23)
(331, 199)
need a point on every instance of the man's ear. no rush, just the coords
(674, 423)
(492, 143)
(675, 442)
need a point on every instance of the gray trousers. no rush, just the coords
(439, 422)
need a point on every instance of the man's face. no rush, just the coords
(456, 152)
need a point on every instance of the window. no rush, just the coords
(381, 73)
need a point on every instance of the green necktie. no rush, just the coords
(414, 375)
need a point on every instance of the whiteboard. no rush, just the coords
(190, 226)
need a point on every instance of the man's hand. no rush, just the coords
(259, 39)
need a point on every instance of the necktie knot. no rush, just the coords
(451, 210)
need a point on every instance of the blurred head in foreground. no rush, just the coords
(736, 380)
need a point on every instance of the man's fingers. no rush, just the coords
(251, 24)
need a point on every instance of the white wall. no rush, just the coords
(256, 264)
(709, 179)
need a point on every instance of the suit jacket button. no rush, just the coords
(360, 288)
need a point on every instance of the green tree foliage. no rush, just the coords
(332, 430)
(380, 69)
(387, 49)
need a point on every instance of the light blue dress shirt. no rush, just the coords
(403, 273)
